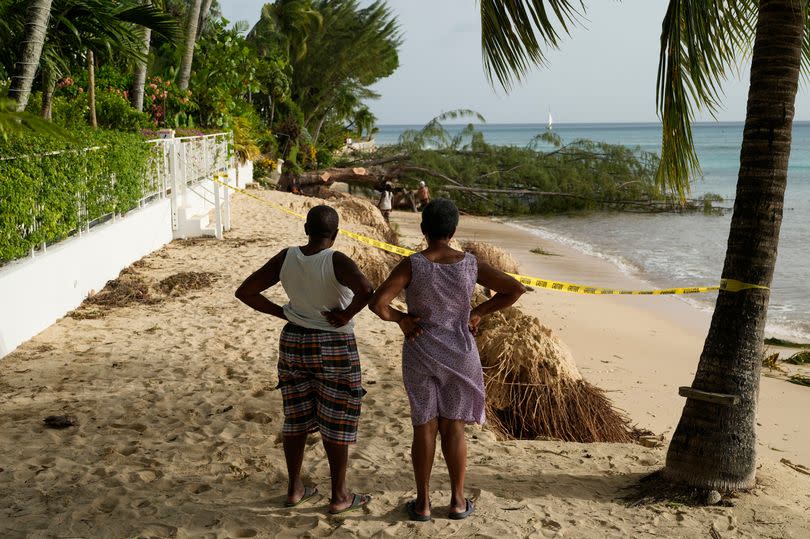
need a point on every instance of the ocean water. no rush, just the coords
(681, 250)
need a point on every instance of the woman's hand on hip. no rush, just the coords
(410, 326)
(475, 320)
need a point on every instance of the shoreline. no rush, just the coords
(704, 303)
(639, 349)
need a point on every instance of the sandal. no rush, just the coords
(309, 493)
(463, 514)
(413, 514)
(358, 501)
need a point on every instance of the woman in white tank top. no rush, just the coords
(318, 361)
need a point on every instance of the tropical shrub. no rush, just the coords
(53, 187)
(114, 111)
(168, 105)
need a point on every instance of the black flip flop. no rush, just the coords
(413, 514)
(309, 493)
(463, 514)
(358, 502)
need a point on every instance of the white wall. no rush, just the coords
(35, 292)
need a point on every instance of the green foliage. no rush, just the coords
(580, 175)
(52, 187)
(324, 158)
(225, 77)
(787, 344)
(336, 49)
(244, 142)
(799, 358)
(114, 111)
(167, 104)
(800, 380)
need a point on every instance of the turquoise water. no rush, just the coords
(681, 250)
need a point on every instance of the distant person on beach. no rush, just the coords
(440, 363)
(318, 364)
(385, 203)
(423, 194)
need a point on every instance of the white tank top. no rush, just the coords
(312, 287)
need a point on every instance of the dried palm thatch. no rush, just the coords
(186, 281)
(454, 244)
(375, 264)
(128, 289)
(362, 212)
(494, 256)
(534, 389)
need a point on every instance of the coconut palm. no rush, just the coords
(36, 25)
(76, 26)
(191, 39)
(286, 25)
(139, 78)
(713, 446)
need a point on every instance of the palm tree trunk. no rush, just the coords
(36, 28)
(139, 80)
(318, 129)
(91, 88)
(205, 12)
(188, 50)
(714, 445)
(48, 87)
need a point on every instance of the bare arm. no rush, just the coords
(380, 303)
(250, 291)
(507, 292)
(349, 275)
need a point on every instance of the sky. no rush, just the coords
(604, 72)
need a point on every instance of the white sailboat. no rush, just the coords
(550, 121)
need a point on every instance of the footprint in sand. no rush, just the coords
(144, 508)
(105, 504)
(257, 417)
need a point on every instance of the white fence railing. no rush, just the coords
(176, 165)
(187, 161)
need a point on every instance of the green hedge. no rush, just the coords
(41, 195)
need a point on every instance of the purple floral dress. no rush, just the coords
(441, 368)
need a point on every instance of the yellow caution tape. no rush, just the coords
(728, 285)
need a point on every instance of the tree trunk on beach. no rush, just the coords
(91, 88)
(139, 79)
(36, 28)
(191, 38)
(714, 445)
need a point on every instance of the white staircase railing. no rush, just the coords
(183, 168)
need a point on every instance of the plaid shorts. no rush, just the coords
(319, 377)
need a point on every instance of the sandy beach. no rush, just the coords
(178, 418)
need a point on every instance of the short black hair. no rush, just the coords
(322, 222)
(439, 219)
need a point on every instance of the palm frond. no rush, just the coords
(12, 122)
(151, 17)
(459, 113)
(515, 33)
(806, 45)
(699, 44)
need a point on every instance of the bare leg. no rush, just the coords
(338, 456)
(454, 449)
(423, 451)
(294, 455)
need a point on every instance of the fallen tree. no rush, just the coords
(544, 176)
